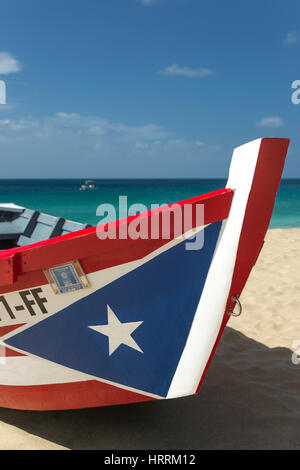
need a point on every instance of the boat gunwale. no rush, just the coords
(81, 244)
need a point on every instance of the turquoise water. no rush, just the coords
(63, 198)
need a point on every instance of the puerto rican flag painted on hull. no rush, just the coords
(149, 311)
(150, 321)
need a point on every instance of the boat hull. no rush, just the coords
(148, 320)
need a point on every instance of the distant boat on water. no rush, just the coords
(88, 185)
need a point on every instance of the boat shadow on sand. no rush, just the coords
(250, 399)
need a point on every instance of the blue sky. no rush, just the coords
(145, 88)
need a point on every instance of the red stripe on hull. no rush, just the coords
(7, 352)
(68, 396)
(6, 329)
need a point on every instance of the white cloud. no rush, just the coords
(292, 37)
(271, 121)
(176, 70)
(8, 64)
(68, 115)
(98, 126)
(70, 144)
(4, 122)
(141, 145)
(91, 128)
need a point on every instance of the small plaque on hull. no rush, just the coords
(67, 278)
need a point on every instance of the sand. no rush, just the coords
(250, 398)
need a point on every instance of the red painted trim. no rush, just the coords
(87, 394)
(8, 274)
(7, 352)
(6, 329)
(267, 176)
(95, 254)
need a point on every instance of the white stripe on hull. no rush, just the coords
(209, 315)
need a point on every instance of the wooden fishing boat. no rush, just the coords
(95, 316)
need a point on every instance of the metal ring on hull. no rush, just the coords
(236, 299)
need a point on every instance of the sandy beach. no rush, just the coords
(250, 398)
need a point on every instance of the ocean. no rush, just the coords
(61, 197)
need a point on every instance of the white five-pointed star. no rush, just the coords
(118, 333)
